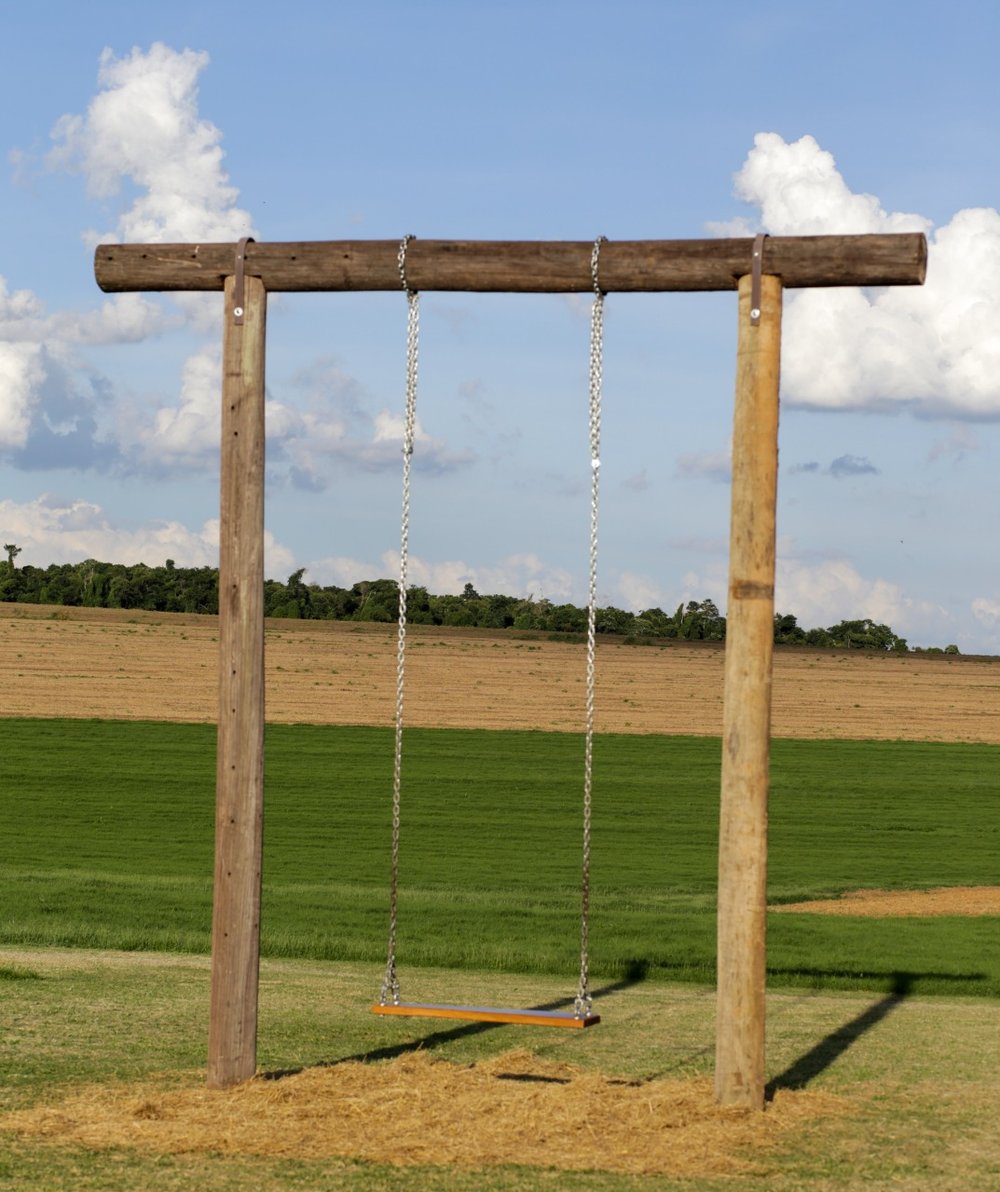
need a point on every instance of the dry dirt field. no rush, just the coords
(149, 666)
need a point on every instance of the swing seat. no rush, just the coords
(488, 1014)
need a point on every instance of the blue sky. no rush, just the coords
(517, 120)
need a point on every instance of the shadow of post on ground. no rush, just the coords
(796, 1076)
(817, 1059)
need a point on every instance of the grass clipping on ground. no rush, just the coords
(511, 1110)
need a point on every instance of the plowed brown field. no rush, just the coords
(159, 666)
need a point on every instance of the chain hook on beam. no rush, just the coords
(238, 283)
(756, 268)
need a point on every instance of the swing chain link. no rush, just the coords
(390, 992)
(390, 982)
(583, 1002)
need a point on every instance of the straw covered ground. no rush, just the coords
(515, 1108)
(103, 1088)
(894, 904)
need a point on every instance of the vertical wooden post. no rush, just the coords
(239, 807)
(739, 1059)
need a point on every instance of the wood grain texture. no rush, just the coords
(232, 1040)
(518, 266)
(746, 731)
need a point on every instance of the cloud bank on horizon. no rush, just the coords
(931, 349)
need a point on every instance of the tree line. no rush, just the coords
(170, 588)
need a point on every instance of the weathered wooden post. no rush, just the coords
(232, 1032)
(746, 732)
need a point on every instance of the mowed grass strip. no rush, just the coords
(108, 843)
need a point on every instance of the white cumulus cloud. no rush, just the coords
(123, 318)
(144, 127)
(832, 590)
(190, 430)
(520, 575)
(21, 376)
(141, 137)
(50, 529)
(636, 592)
(800, 192)
(326, 420)
(934, 349)
(141, 133)
(986, 611)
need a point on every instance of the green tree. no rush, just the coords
(702, 622)
(498, 612)
(866, 634)
(819, 637)
(12, 553)
(62, 585)
(199, 590)
(379, 600)
(787, 630)
(531, 613)
(93, 583)
(298, 593)
(654, 622)
(614, 620)
(452, 610)
(566, 618)
(418, 605)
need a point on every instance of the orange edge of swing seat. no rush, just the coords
(488, 1014)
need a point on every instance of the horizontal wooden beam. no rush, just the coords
(509, 266)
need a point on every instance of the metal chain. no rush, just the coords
(584, 1002)
(390, 982)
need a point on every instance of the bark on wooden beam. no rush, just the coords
(518, 266)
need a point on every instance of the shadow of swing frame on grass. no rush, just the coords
(798, 1075)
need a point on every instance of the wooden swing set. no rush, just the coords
(759, 269)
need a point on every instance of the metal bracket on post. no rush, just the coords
(756, 268)
(238, 286)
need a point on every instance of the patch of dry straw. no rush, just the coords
(515, 1109)
(943, 900)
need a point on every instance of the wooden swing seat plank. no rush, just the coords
(488, 1014)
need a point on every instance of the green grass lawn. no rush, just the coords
(107, 842)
